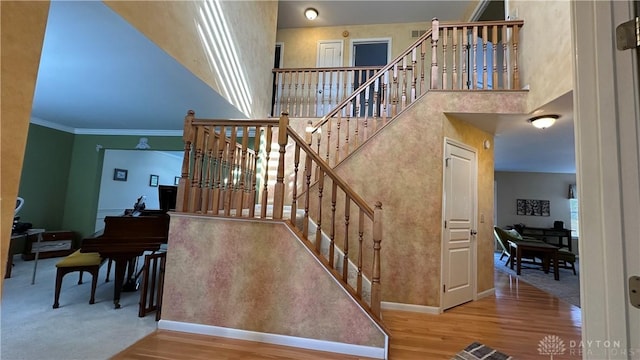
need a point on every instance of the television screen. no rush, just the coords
(167, 196)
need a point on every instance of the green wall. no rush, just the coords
(43, 183)
(60, 179)
(85, 171)
(61, 176)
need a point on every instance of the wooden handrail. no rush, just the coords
(331, 173)
(220, 178)
(370, 81)
(449, 56)
(334, 68)
(390, 65)
(235, 122)
(451, 24)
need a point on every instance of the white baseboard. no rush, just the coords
(486, 293)
(285, 340)
(410, 307)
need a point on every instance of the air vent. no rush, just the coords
(417, 33)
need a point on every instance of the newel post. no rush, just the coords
(278, 192)
(187, 137)
(435, 35)
(377, 239)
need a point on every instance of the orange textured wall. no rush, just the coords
(256, 276)
(22, 33)
(181, 27)
(407, 158)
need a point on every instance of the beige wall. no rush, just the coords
(545, 54)
(301, 44)
(22, 33)
(250, 26)
(408, 181)
(268, 280)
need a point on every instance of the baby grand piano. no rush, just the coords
(125, 238)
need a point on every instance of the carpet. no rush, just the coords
(566, 289)
(32, 330)
(477, 351)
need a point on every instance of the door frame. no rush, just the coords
(280, 44)
(276, 91)
(353, 42)
(474, 219)
(608, 177)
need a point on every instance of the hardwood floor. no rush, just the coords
(514, 321)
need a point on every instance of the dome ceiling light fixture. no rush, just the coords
(543, 121)
(311, 13)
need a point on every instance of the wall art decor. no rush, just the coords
(533, 207)
(153, 180)
(120, 174)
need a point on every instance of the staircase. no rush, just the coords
(264, 170)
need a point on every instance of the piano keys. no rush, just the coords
(125, 238)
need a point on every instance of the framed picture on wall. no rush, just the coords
(120, 174)
(176, 180)
(533, 207)
(153, 180)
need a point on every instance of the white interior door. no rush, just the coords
(459, 255)
(329, 55)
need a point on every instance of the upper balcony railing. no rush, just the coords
(455, 56)
(313, 92)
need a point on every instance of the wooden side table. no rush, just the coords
(52, 244)
(549, 252)
(25, 234)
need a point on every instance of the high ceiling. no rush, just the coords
(359, 12)
(98, 74)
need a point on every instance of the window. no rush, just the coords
(573, 203)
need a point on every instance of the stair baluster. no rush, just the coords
(345, 257)
(223, 167)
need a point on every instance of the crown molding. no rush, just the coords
(111, 132)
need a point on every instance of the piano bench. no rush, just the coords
(77, 261)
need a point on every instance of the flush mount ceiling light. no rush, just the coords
(544, 121)
(311, 13)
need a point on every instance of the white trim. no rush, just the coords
(480, 8)
(353, 42)
(411, 308)
(52, 125)
(114, 132)
(486, 293)
(122, 132)
(284, 340)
